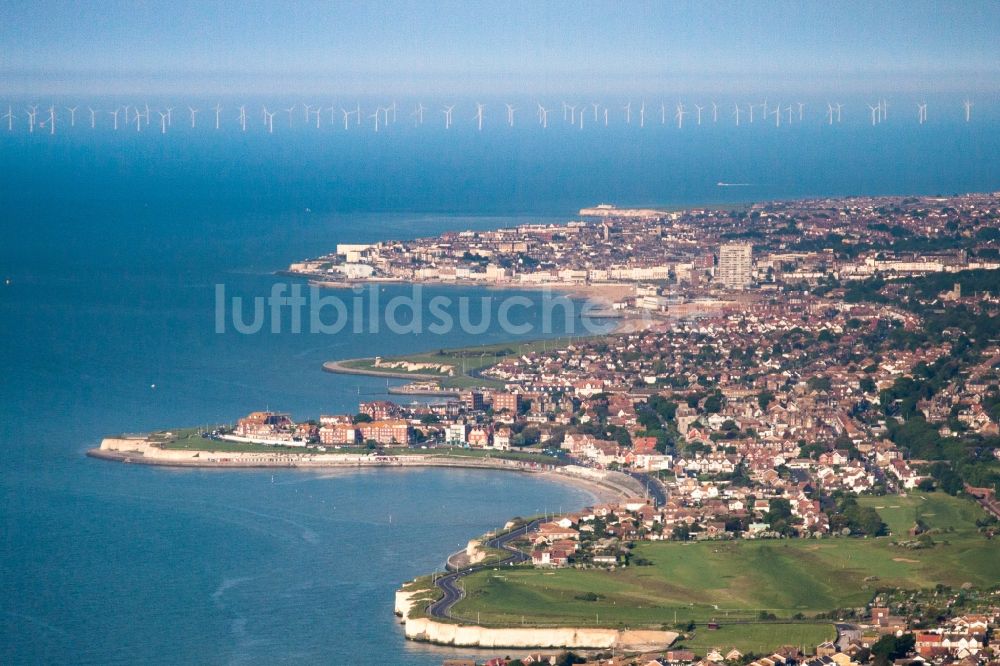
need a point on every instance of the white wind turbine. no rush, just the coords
(269, 120)
(839, 107)
(875, 110)
(392, 108)
(715, 112)
(642, 114)
(968, 109)
(595, 105)
(218, 112)
(192, 112)
(138, 120)
(543, 116)
(884, 112)
(663, 113)
(72, 115)
(163, 122)
(170, 116)
(788, 109)
(628, 113)
(829, 113)
(736, 112)
(9, 117)
(510, 114)
(679, 115)
(357, 113)
(333, 113)
(114, 114)
(447, 115)
(290, 110)
(52, 120)
(479, 115)
(243, 117)
(581, 118)
(376, 116)
(699, 110)
(347, 116)
(750, 110)
(419, 113)
(921, 113)
(605, 116)
(802, 107)
(306, 108)
(777, 115)
(32, 114)
(318, 112)
(93, 117)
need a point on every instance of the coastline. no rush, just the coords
(604, 487)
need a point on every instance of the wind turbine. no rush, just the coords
(479, 115)
(290, 110)
(663, 113)
(72, 115)
(32, 113)
(715, 112)
(347, 116)
(93, 117)
(170, 116)
(680, 115)
(510, 114)
(642, 114)
(801, 106)
(885, 109)
(543, 116)
(52, 120)
(750, 109)
(393, 109)
(595, 105)
(138, 121)
(419, 113)
(581, 118)
(163, 122)
(605, 116)
(357, 113)
(789, 110)
(243, 117)
(777, 115)
(193, 111)
(699, 109)
(333, 110)
(875, 110)
(839, 107)
(306, 108)
(9, 116)
(628, 113)
(318, 111)
(447, 115)
(736, 112)
(377, 115)
(269, 119)
(968, 109)
(218, 111)
(114, 114)
(921, 112)
(147, 115)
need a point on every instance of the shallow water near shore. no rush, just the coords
(113, 247)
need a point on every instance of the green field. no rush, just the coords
(757, 638)
(467, 361)
(738, 579)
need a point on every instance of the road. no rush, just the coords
(448, 584)
(653, 486)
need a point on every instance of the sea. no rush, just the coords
(114, 246)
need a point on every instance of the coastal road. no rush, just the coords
(652, 485)
(448, 584)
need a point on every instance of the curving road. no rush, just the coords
(653, 485)
(448, 584)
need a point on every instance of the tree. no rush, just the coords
(765, 398)
(890, 647)
(361, 418)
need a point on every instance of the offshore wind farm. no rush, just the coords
(379, 116)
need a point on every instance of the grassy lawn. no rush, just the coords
(758, 638)
(737, 580)
(466, 360)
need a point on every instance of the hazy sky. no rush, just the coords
(497, 47)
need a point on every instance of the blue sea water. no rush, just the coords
(113, 244)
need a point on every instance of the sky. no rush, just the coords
(403, 47)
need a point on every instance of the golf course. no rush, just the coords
(733, 583)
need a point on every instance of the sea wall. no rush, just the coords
(458, 635)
